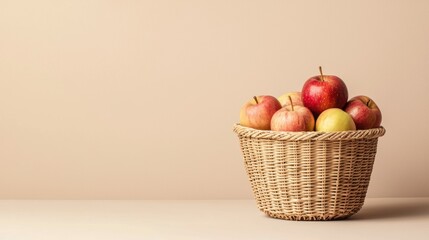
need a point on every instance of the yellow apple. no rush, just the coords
(334, 120)
(295, 96)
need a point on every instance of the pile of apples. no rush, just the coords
(322, 105)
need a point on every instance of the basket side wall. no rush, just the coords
(324, 179)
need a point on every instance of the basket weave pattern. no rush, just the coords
(309, 175)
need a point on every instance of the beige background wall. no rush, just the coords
(137, 99)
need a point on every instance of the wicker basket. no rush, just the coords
(309, 175)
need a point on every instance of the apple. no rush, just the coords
(364, 111)
(292, 118)
(257, 112)
(295, 96)
(334, 120)
(323, 92)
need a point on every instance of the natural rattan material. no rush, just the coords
(309, 175)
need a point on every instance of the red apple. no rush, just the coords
(323, 92)
(292, 118)
(364, 111)
(257, 112)
(295, 96)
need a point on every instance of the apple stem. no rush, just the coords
(256, 99)
(321, 74)
(369, 101)
(291, 104)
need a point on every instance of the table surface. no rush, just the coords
(380, 218)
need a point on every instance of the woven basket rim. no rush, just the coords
(243, 131)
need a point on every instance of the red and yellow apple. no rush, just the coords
(364, 111)
(257, 112)
(323, 92)
(295, 96)
(334, 120)
(292, 118)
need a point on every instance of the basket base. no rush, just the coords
(329, 217)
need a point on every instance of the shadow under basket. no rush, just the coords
(309, 175)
